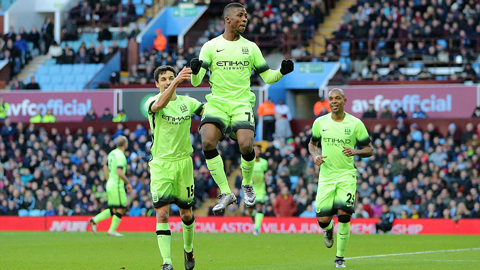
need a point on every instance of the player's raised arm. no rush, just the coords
(268, 75)
(200, 65)
(164, 99)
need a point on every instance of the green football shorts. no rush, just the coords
(172, 182)
(334, 196)
(260, 193)
(234, 115)
(116, 194)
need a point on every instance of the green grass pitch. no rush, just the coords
(64, 250)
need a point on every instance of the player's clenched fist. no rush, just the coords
(287, 67)
(195, 65)
(319, 160)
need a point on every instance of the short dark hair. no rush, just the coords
(230, 6)
(161, 70)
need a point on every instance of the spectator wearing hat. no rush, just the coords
(107, 116)
(415, 133)
(120, 117)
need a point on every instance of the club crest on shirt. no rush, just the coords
(348, 131)
(183, 108)
(245, 50)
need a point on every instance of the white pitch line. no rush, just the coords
(409, 260)
(411, 253)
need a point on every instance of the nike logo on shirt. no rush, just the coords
(220, 50)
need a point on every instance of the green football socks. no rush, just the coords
(102, 215)
(330, 226)
(215, 166)
(164, 239)
(247, 171)
(188, 231)
(342, 238)
(258, 221)
(117, 218)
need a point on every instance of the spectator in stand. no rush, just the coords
(107, 116)
(370, 112)
(90, 116)
(120, 117)
(49, 117)
(400, 114)
(3, 109)
(36, 118)
(321, 107)
(386, 113)
(160, 43)
(33, 85)
(267, 111)
(283, 130)
(284, 205)
(282, 109)
(55, 50)
(386, 220)
(476, 112)
(418, 113)
(82, 56)
(16, 84)
(47, 33)
(135, 31)
(104, 34)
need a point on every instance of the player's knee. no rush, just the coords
(209, 144)
(188, 218)
(162, 216)
(324, 220)
(344, 218)
(186, 215)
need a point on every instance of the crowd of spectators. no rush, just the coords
(418, 173)
(18, 48)
(428, 31)
(273, 23)
(84, 55)
(93, 12)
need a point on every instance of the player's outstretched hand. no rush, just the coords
(287, 67)
(184, 74)
(319, 160)
(349, 152)
(129, 188)
(195, 65)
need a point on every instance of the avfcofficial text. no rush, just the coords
(176, 120)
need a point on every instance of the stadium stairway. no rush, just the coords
(31, 68)
(328, 26)
(203, 210)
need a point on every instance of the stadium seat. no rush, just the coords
(80, 78)
(140, 9)
(90, 68)
(50, 62)
(46, 87)
(43, 79)
(66, 69)
(23, 213)
(380, 45)
(36, 213)
(78, 69)
(345, 49)
(56, 79)
(136, 2)
(123, 43)
(55, 69)
(442, 42)
(148, 2)
(69, 79)
(43, 70)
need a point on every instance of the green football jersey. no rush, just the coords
(116, 159)
(231, 64)
(259, 170)
(170, 127)
(332, 137)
